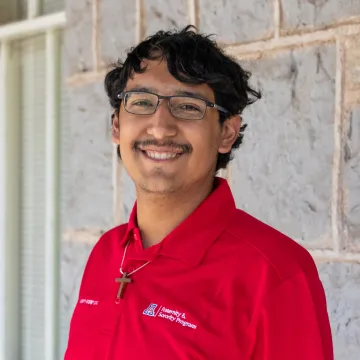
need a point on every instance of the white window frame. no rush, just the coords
(10, 331)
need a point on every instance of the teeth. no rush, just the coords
(160, 156)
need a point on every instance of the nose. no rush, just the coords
(162, 124)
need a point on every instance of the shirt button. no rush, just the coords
(131, 269)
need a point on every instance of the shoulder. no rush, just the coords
(113, 234)
(268, 247)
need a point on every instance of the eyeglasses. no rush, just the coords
(182, 107)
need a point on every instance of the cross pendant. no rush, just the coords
(124, 280)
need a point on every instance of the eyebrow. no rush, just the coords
(177, 92)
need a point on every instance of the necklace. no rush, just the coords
(124, 280)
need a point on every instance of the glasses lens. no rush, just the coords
(140, 103)
(184, 107)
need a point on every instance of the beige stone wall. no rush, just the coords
(299, 168)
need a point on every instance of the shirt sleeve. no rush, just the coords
(293, 322)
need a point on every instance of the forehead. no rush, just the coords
(157, 77)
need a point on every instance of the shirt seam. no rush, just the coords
(281, 278)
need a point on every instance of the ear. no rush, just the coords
(229, 133)
(115, 128)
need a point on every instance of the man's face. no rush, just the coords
(164, 154)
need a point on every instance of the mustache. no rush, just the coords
(185, 148)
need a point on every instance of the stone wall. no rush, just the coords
(299, 168)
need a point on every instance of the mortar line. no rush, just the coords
(95, 35)
(249, 50)
(338, 143)
(140, 21)
(80, 79)
(319, 36)
(333, 256)
(118, 189)
(277, 18)
(193, 12)
(88, 236)
(116, 164)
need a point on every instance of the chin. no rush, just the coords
(158, 186)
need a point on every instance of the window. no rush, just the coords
(30, 111)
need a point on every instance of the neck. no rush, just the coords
(159, 214)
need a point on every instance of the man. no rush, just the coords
(190, 276)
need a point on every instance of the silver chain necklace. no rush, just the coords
(125, 279)
(122, 263)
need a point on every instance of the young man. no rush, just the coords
(190, 276)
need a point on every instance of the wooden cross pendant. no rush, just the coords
(124, 280)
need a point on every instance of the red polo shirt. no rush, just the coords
(222, 285)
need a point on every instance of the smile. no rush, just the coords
(160, 156)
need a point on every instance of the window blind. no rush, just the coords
(32, 103)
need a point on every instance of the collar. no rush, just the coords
(190, 240)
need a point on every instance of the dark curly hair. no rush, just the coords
(192, 58)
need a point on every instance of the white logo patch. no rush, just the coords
(168, 314)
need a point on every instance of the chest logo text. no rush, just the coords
(154, 310)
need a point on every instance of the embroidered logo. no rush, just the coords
(150, 310)
(168, 314)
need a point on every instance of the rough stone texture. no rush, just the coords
(87, 163)
(164, 15)
(298, 15)
(128, 195)
(237, 21)
(351, 171)
(352, 180)
(117, 33)
(76, 248)
(283, 173)
(78, 37)
(342, 287)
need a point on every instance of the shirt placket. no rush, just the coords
(111, 322)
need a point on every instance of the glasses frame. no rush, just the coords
(122, 96)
